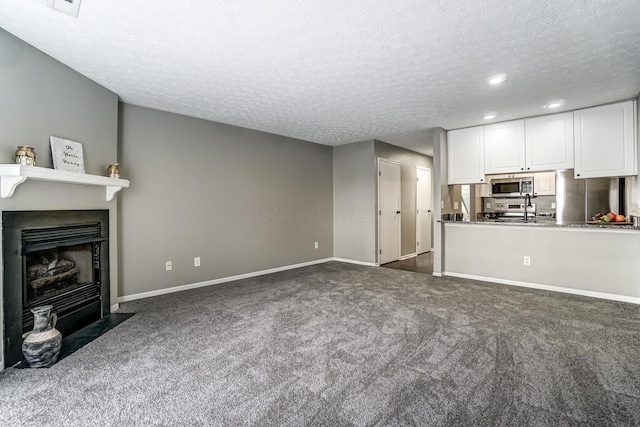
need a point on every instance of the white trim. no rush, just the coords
(352, 261)
(437, 274)
(413, 255)
(114, 307)
(593, 294)
(12, 175)
(180, 288)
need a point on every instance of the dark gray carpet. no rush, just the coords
(337, 344)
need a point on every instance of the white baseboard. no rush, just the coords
(217, 281)
(593, 294)
(413, 255)
(114, 307)
(352, 261)
(437, 274)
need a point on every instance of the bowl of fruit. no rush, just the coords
(610, 217)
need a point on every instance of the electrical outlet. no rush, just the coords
(553, 205)
(526, 260)
(455, 205)
(196, 261)
(168, 266)
(442, 204)
(315, 245)
(488, 205)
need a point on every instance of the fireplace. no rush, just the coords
(59, 258)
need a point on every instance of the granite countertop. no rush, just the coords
(543, 223)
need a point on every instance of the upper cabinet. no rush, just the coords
(537, 144)
(544, 184)
(465, 154)
(549, 142)
(605, 141)
(504, 146)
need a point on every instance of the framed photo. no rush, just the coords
(67, 155)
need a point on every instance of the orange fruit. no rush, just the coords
(620, 218)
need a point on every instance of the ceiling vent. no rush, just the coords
(70, 7)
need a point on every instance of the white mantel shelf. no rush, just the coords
(12, 175)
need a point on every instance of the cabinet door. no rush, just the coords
(465, 156)
(549, 142)
(484, 190)
(504, 147)
(544, 184)
(605, 143)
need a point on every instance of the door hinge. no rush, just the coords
(380, 251)
(379, 173)
(380, 212)
(417, 243)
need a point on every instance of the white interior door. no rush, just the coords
(423, 210)
(388, 211)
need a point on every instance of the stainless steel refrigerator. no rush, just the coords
(578, 200)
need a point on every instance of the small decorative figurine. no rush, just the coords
(25, 155)
(113, 171)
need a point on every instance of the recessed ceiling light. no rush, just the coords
(497, 79)
(489, 116)
(554, 104)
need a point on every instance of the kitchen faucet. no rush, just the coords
(527, 204)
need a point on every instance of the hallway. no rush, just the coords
(422, 263)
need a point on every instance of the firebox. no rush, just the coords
(57, 258)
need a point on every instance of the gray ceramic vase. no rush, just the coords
(42, 346)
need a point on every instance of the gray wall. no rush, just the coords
(354, 198)
(409, 160)
(495, 252)
(241, 200)
(40, 97)
(439, 194)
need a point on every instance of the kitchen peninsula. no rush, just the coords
(559, 249)
(593, 260)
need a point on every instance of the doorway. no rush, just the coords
(388, 211)
(424, 223)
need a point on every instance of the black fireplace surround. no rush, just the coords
(59, 258)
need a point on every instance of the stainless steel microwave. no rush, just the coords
(516, 187)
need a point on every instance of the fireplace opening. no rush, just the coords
(57, 258)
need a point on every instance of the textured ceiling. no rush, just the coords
(335, 72)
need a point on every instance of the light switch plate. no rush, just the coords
(455, 205)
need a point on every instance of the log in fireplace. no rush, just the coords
(59, 258)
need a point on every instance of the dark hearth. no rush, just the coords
(57, 258)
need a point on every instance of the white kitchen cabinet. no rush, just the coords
(605, 141)
(465, 156)
(484, 190)
(549, 142)
(504, 147)
(544, 184)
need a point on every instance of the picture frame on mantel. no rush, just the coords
(67, 155)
